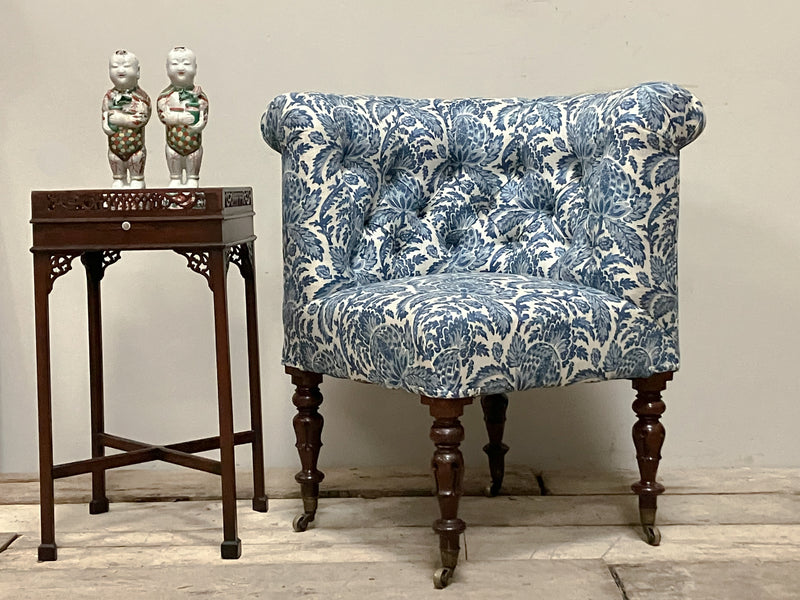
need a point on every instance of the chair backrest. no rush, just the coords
(583, 188)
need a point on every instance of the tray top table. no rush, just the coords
(211, 228)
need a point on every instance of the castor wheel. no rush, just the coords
(491, 490)
(301, 521)
(442, 577)
(652, 535)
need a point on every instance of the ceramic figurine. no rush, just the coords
(183, 108)
(126, 110)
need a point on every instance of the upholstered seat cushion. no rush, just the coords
(456, 335)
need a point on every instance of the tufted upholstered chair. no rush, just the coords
(469, 248)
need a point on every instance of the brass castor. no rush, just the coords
(652, 535)
(492, 490)
(441, 578)
(301, 521)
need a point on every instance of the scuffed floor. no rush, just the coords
(726, 534)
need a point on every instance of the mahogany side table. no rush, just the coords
(211, 228)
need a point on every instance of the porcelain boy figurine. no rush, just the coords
(183, 108)
(126, 110)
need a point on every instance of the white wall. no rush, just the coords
(733, 403)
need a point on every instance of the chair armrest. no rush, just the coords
(671, 112)
(319, 224)
(625, 239)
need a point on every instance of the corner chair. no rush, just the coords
(464, 249)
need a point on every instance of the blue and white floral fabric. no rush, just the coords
(475, 246)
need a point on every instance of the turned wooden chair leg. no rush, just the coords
(448, 470)
(494, 415)
(648, 437)
(308, 431)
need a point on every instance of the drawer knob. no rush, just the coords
(126, 226)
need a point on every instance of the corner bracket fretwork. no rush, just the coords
(60, 264)
(241, 255)
(198, 262)
(96, 263)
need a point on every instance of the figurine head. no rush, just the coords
(123, 69)
(181, 67)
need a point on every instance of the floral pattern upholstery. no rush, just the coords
(477, 246)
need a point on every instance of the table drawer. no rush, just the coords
(128, 233)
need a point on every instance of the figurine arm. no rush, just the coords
(134, 116)
(121, 119)
(169, 117)
(161, 109)
(143, 111)
(105, 114)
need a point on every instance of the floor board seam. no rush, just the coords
(617, 580)
(12, 537)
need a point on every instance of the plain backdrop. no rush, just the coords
(735, 400)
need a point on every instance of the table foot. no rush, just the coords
(261, 504)
(48, 552)
(231, 549)
(97, 507)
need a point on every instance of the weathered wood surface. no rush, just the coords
(127, 485)
(737, 544)
(131, 485)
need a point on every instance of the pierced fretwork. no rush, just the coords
(59, 265)
(97, 262)
(241, 255)
(197, 261)
(110, 257)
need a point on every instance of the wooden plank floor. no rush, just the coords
(726, 534)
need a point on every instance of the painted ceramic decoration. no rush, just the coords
(126, 110)
(183, 108)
